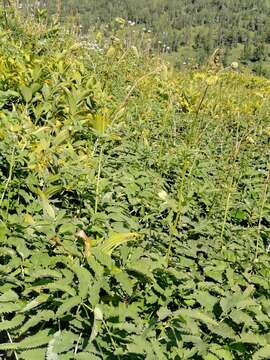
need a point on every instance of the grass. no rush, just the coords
(134, 219)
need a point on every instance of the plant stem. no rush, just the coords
(227, 206)
(263, 201)
(12, 163)
(175, 223)
(98, 179)
(11, 341)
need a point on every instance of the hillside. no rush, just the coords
(185, 32)
(134, 203)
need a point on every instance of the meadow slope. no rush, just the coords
(134, 204)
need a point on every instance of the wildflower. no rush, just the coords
(115, 39)
(234, 65)
(120, 21)
(250, 140)
(163, 195)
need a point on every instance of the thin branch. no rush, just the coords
(11, 341)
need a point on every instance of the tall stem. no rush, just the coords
(98, 179)
(263, 201)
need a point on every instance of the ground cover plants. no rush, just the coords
(134, 220)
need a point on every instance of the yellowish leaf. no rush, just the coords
(47, 208)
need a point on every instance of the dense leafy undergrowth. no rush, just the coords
(134, 219)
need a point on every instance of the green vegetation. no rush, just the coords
(134, 204)
(184, 31)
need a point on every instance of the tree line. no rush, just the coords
(186, 30)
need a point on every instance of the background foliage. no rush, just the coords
(186, 32)
(134, 219)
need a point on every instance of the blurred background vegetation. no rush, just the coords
(186, 32)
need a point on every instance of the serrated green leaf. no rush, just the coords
(238, 300)
(9, 307)
(35, 341)
(125, 281)
(32, 354)
(85, 279)
(251, 338)
(221, 353)
(263, 353)
(205, 299)
(210, 357)
(86, 356)
(48, 273)
(40, 299)
(163, 313)
(61, 285)
(197, 315)
(39, 318)
(68, 304)
(9, 296)
(61, 342)
(223, 330)
(11, 324)
(239, 317)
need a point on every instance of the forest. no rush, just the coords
(186, 31)
(134, 196)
